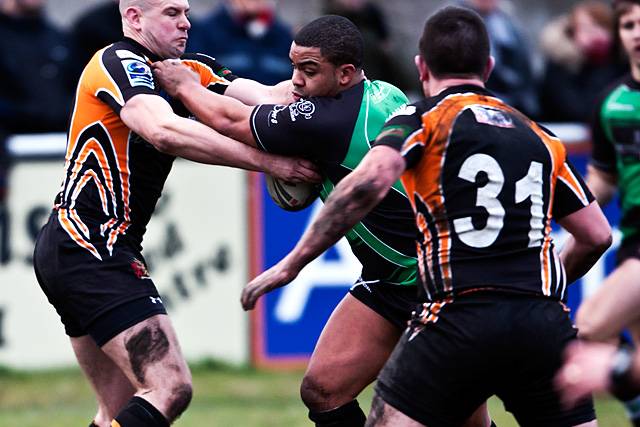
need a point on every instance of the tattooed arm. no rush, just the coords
(351, 200)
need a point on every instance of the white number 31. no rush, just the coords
(487, 196)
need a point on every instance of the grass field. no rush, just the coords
(224, 397)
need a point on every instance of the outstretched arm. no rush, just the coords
(350, 201)
(223, 113)
(152, 118)
(251, 92)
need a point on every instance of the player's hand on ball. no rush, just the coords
(172, 75)
(274, 278)
(293, 170)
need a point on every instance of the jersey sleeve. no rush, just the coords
(571, 194)
(603, 155)
(404, 132)
(309, 128)
(213, 75)
(117, 75)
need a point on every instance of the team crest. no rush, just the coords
(139, 269)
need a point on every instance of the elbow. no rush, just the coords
(600, 240)
(605, 242)
(163, 139)
(369, 191)
(225, 125)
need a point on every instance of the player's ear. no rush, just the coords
(346, 73)
(491, 62)
(423, 70)
(132, 16)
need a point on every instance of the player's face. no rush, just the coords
(313, 75)
(164, 26)
(629, 31)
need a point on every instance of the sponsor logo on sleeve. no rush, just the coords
(403, 110)
(273, 114)
(138, 73)
(304, 108)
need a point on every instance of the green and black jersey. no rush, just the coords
(616, 147)
(336, 132)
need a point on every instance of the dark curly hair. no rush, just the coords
(339, 40)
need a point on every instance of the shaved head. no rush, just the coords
(142, 4)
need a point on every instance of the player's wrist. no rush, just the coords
(184, 87)
(621, 381)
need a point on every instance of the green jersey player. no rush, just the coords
(335, 115)
(615, 168)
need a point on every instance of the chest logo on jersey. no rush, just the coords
(303, 108)
(491, 116)
(138, 73)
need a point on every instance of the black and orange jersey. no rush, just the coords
(113, 178)
(484, 182)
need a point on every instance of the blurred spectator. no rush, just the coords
(580, 61)
(36, 95)
(379, 62)
(247, 37)
(512, 78)
(96, 28)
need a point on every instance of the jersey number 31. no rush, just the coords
(529, 187)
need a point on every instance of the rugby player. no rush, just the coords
(337, 113)
(484, 182)
(123, 139)
(614, 168)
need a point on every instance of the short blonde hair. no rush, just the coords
(142, 4)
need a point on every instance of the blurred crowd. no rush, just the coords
(40, 63)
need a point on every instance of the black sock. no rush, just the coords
(92, 424)
(140, 413)
(493, 424)
(632, 408)
(348, 415)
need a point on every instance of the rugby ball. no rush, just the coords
(289, 196)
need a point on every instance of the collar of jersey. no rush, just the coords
(146, 52)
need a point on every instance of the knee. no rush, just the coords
(318, 395)
(179, 399)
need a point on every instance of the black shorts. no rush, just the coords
(457, 355)
(100, 298)
(393, 302)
